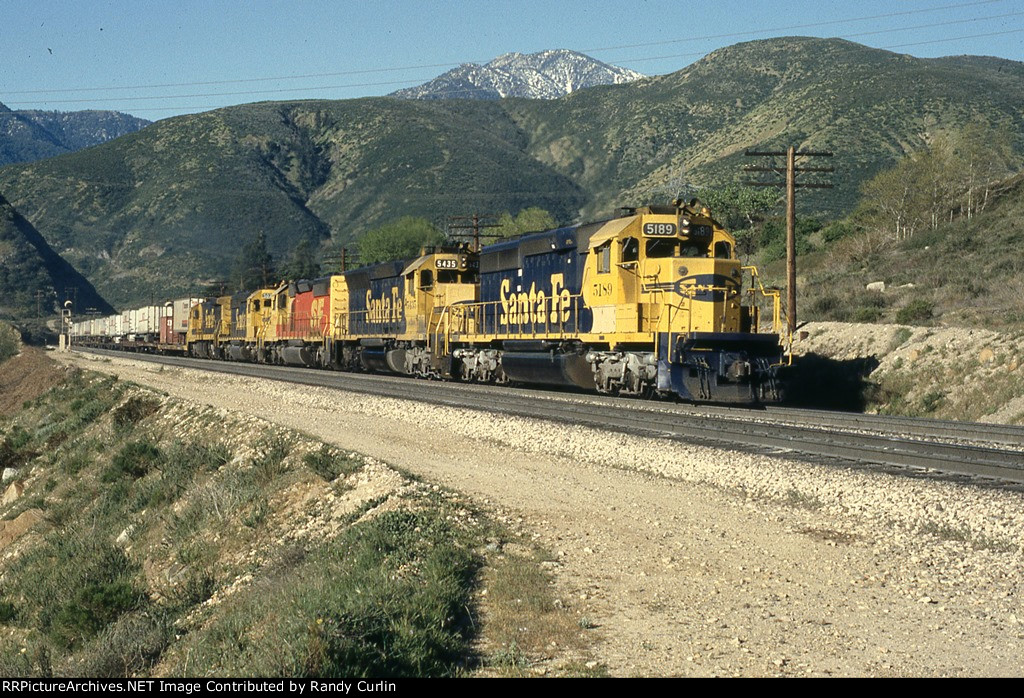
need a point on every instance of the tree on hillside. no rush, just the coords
(529, 220)
(254, 267)
(736, 206)
(399, 240)
(740, 209)
(302, 264)
(983, 155)
(890, 200)
(952, 177)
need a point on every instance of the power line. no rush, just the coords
(972, 36)
(590, 50)
(451, 93)
(238, 81)
(223, 94)
(884, 31)
(809, 25)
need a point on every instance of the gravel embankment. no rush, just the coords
(698, 561)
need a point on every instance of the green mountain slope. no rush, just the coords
(28, 266)
(161, 211)
(868, 106)
(23, 140)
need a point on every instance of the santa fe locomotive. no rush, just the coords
(650, 303)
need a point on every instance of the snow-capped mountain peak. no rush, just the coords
(542, 75)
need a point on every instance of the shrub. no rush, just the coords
(837, 231)
(134, 460)
(867, 314)
(96, 605)
(269, 462)
(72, 585)
(900, 338)
(916, 311)
(932, 401)
(329, 464)
(8, 342)
(178, 468)
(130, 645)
(134, 410)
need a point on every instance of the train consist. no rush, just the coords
(650, 303)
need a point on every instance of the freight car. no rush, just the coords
(152, 328)
(653, 302)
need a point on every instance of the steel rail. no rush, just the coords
(722, 427)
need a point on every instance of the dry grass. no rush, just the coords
(526, 629)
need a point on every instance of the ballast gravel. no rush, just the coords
(684, 560)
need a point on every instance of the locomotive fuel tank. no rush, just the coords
(534, 361)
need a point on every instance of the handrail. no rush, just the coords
(774, 294)
(485, 316)
(777, 325)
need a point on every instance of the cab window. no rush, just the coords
(604, 258)
(426, 279)
(723, 250)
(659, 249)
(630, 250)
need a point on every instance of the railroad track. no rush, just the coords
(972, 450)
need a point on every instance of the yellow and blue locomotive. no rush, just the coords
(648, 303)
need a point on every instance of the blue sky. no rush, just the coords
(159, 58)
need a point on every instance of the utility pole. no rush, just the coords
(71, 294)
(791, 185)
(344, 259)
(474, 225)
(40, 295)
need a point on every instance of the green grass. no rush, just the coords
(170, 555)
(329, 463)
(389, 597)
(72, 586)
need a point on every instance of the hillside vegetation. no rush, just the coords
(964, 272)
(34, 280)
(143, 536)
(160, 212)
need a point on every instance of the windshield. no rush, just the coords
(658, 249)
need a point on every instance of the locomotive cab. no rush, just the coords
(259, 309)
(205, 328)
(663, 269)
(440, 277)
(668, 276)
